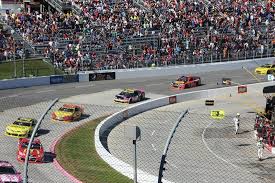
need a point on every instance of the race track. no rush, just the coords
(30, 102)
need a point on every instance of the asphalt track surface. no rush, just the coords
(26, 96)
(32, 101)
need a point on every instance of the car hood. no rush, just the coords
(33, 152)
(10, 178)
(179, 82)
(63, 114)
(262, 68)
(18, 127)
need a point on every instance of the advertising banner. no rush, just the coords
(172, 99)
(102, 76)
(56, 79)
(70, 78)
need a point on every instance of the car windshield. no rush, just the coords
(266, 66)
(66, 109)
(182, 79)
(126, 94)
(7, 170)
(33, 146)
(22, 123)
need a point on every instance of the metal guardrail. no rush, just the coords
(25, 174)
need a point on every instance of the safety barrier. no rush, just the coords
(119, 117)
(24, 82)
(186, 69)
(132, 73)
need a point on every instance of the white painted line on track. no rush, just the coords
(44, 91)
(84, 86)
(152, 133)
(172, 165)
(205, 144)
(218, 157)
(153, 147)
(10, 96)
(155, 84)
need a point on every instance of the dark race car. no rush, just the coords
(130, 96)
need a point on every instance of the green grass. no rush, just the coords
(76, 153)
(34, 67)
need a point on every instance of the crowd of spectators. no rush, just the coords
(171, 30)
(9, 48)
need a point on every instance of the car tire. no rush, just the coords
(130, 101)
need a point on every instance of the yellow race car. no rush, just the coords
(68, 113)
(265, 69)
(21, 128)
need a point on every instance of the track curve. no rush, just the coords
(30, 102)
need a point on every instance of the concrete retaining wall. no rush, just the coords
(188, 69)
(24, 82)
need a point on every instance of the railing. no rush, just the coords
(60, 5)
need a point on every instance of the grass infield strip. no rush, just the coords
(33, 67)
(76, 153)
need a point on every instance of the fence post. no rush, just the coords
(25, 174)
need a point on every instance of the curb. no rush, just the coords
(57, 164)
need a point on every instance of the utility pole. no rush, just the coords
(133, 133)
(24, 58)
(14, 49)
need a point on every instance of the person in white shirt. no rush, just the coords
(260, 146)
(236, 120)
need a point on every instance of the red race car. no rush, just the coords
(186, 82)
(36, 151)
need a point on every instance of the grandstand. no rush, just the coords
(91, 34)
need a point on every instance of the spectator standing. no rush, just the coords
(236, 121)
(260, 147)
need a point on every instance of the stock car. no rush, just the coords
(130, 96)
(8, 173)
(186, 82)
(36, 151)
(265, 69)
(21, 128)
(68, 113)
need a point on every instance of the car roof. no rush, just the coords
(25, 119)
(129, 90)
(5, 164)
(26, 140)
(70, 106)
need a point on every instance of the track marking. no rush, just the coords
(155, 84)
(218, 157)
(153, 147)
(10, 96)
(205, 144)
(251, 74)
(152, 133)
(172, 165)
(45, 91)
(84, 86)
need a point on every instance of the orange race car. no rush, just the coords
(186, 82)
(68, 113)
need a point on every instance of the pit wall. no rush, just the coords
(90, 76)
(120, 116)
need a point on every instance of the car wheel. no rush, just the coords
(143, 96)
(130, 101)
